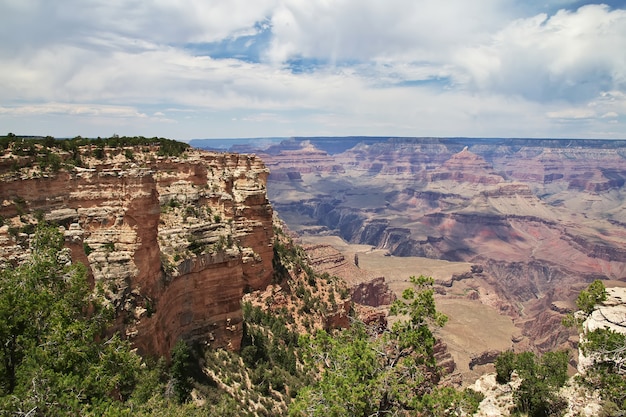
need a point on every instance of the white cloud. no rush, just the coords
(73, 109)
(572, 114)
(414, 30)
(41, 22)
(403, 67)
(572, 56)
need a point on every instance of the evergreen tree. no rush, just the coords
(55, 359)
(364, 374)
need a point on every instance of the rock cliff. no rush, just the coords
(543, 218)
(173, 241)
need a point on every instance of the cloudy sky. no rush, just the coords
(264, 68)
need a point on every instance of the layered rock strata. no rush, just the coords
(542, 217)
(172, 241)
(364, 288)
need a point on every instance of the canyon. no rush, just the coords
(522, 224)
(196, 245)
(511, 231)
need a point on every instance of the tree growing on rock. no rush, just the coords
(362, 373)
(607, 349)
(540, 380)
(594, 294)
(55, 358)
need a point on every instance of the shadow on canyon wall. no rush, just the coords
(541, 218)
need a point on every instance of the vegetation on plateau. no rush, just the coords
(541, 379)
(55, 358)
(51, 155)
(607, 349)
(361, 373)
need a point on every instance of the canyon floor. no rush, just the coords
(472, 328)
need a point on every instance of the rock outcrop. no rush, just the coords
(288, 163)
(610, 314)
(466, 167)
(364, 288)
(173, 241)
(580, 399)
(499, 399)
(373, 293)
(488, 356)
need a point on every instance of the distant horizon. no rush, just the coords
(400, 137)
(334, 144)
(272, 138)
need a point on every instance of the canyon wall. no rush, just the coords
(172, 241)
(542, 218)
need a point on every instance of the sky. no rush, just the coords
(185, 69)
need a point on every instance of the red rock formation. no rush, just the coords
(289, 164)
(394, 158)
(174, 242)
(579, 167)
(468, 167)
(364, 289)
(446, 362)
(373, 293)
(544, 217)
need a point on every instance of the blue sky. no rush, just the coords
(188, 69)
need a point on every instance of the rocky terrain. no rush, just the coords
(184, 245)
(173, 241)
(582, 399)
(610, 314)
(536, 219)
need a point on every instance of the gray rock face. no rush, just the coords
(611, 314)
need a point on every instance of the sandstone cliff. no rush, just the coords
(173, 241)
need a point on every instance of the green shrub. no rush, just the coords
(54, 358)
(505, 365)
(181, 368)
(98, 153)
(593, 295)
(541, 379)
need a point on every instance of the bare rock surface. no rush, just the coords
(173, 241)
(499, 401)
(611, 314)
(365, 287)
(488, 356)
